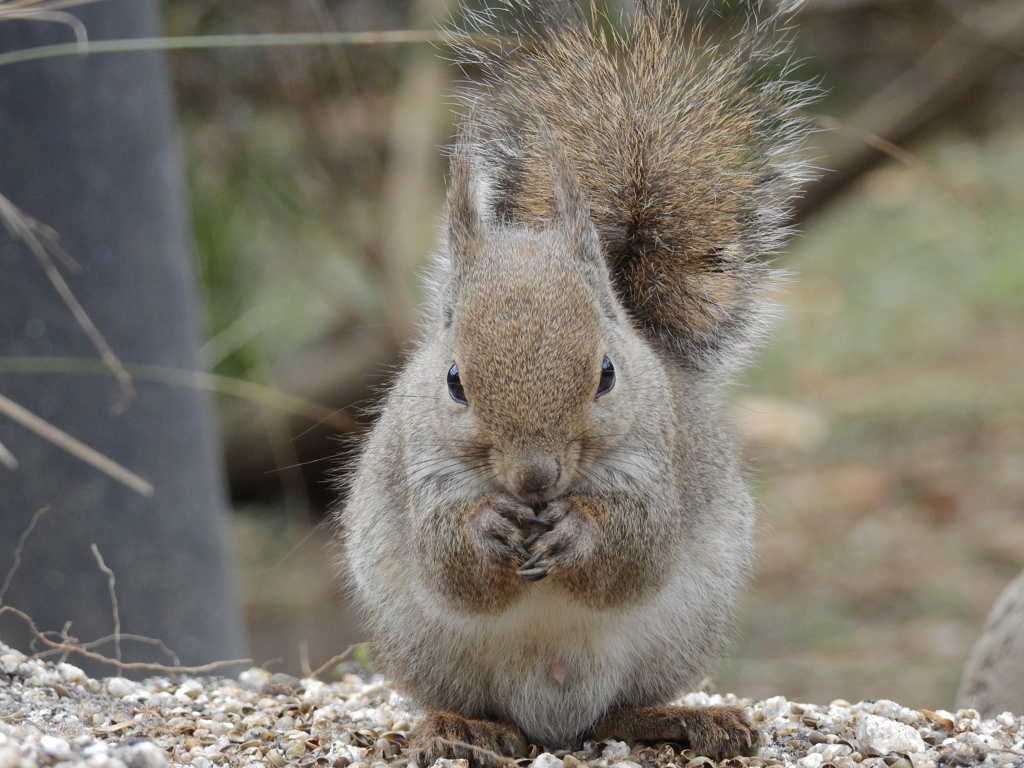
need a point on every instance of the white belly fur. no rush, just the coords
(556, 666)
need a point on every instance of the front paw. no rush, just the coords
(497, 527)
(484, 743)
(564, 538)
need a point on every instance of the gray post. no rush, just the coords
(88, 146)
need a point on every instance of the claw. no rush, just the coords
(535, 534)
(520, 548)
(536, 519)
(533, 574)
(531, 561)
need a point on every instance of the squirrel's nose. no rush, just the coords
(535, 479)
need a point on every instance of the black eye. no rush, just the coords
(455, 386)
(607, 377)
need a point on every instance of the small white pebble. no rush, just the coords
(121, 686)
(546, 760)
(9, 757)
(832, 751)
(776, 706)
(883, 737)
(11, 659)
(616, 750)
(188, 690)
(96, 748)
(69, 673)
(143, 754)
(813, 760)
(326, 713)
(254, 678)
(54, 747)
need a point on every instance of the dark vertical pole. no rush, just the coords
(88, 146)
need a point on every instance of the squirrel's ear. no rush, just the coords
(464, 224)
(572, 206)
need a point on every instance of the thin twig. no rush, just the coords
(18, 550)
(75, 447)
(499, 759)
(82, 651)
(333, 660)
(175, 661)
(111, 583)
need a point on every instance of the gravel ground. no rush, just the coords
(52, 714)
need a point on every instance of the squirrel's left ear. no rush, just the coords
(465, 228)
(572, 207)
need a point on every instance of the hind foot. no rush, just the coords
(485, 743)
(715, 732)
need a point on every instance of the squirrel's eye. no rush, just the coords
(607, 377)
(455, 386)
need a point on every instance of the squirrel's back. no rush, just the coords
(684, 149)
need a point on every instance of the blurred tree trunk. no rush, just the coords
(88, 147)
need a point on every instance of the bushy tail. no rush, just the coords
(684, 149)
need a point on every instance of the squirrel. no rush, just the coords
(548, 525)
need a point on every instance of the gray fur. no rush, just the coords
(651, 525)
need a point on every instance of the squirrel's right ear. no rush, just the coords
(465, 227)
(571, 203)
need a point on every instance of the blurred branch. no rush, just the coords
(76, 448)
(246, 390)
(906, 157)
(936, 85)
(386, 37)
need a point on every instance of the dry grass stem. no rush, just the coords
(47, 10)
(211, 382)
(18, 550)
(15, 9)
(37, 237)
(7, 458)
(76, 448)
(269, 40)
(111, 583)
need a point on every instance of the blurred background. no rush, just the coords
(883, 423)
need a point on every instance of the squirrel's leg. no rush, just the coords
(715, 732)
(485, 743)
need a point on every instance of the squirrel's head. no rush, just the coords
(535, 337)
